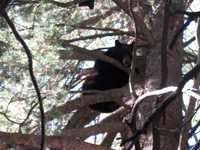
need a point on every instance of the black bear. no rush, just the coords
(107, 76)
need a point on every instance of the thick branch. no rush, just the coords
(168, 100)
(96, 129)
(95, 55)
(51, 141)
(80, 118)
(108, 95)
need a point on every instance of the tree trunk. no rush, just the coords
(161, 137)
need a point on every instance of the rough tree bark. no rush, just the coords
(163, 138)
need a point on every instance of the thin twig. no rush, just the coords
(196, 146)
(191, 17)
(18, 37)
(168, 100)
(194, 129)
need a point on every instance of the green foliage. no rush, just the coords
(45, 25)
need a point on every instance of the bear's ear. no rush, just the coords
(117, 43)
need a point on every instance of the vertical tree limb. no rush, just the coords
(3, 6)
(164, 43)
(164, 72)
(131, 75)
(28, 53)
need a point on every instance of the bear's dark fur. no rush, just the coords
(107, 76)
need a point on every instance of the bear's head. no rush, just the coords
(123, 53)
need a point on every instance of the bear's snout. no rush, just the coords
(126, 61)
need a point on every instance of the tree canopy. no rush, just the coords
(160, 107)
